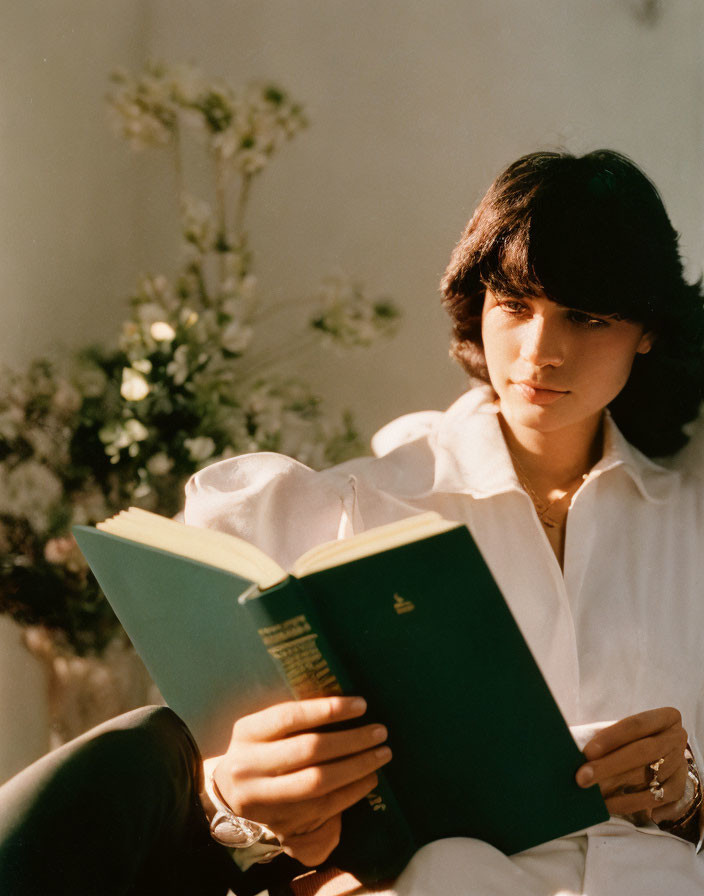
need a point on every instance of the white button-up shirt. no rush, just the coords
(621, 630)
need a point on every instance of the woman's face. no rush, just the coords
(554, 367)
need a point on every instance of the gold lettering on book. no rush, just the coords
(401, 605)
(293, 645)
(376, 802)
(284, 631)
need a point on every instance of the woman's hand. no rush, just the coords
(281, 772)
(620, 757)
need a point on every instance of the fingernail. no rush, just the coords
(359, 705)
(383, 753)
(379, 733)
(585, 776)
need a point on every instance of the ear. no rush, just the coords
(646, 343)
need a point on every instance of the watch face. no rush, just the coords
(235, 832)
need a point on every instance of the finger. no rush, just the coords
(314, 847)
(641, 778)
(318, 780)
(312, 748)
(295, 716)
(300, 818)
(671, 811)
(630, 803)
(633, 756)
(632, 728)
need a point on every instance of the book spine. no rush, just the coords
(376, 841)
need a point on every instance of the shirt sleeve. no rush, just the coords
(272, 501)
(403, 430)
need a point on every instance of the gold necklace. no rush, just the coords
(543, 508)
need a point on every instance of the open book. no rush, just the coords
(244, 559)
(407, 616)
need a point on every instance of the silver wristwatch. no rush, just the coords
(237, 832)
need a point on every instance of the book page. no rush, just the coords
(373, 541)
(205, 545)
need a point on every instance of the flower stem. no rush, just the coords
(241, 207)
(221, 210)
(178, 167)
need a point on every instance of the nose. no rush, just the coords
(542, 343)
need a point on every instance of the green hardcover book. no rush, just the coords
(407, 616)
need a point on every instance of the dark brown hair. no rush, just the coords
(589, 232)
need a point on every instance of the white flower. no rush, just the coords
(162, 331)
(66, 399)
(142, 490)
(136, 431)
(251, 161)
(159, 464)
(236, 337)
(156, 293)
(268, 410)
(349, 318)
(143, 108)
(30, 490)
(231, 305)
(198, 223)
(117, 436)
(200, 448)
(188, 317)
(134, 386)
(149, 313)
(226, 142)
(206, 328)
(9, 426)
(177, 368)
(160, 285)
(44, 443)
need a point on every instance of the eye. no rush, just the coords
(582, 319)
(512, 306)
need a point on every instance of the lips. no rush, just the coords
(536, 393)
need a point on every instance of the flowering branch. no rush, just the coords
(183, 387)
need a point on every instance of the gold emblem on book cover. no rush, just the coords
(401, 605)
(376, 802)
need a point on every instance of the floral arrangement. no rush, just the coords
(190, 380)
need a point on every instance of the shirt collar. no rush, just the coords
(472, 457)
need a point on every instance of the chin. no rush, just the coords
(541, 419)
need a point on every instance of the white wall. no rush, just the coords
(68, 225)
(414, 107)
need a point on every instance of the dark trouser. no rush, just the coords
(115, 811)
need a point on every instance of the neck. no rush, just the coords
(554, 460)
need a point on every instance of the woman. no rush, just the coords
(567, 299)
(568, 302)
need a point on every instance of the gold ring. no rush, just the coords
(655, 766)
(655, 786)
